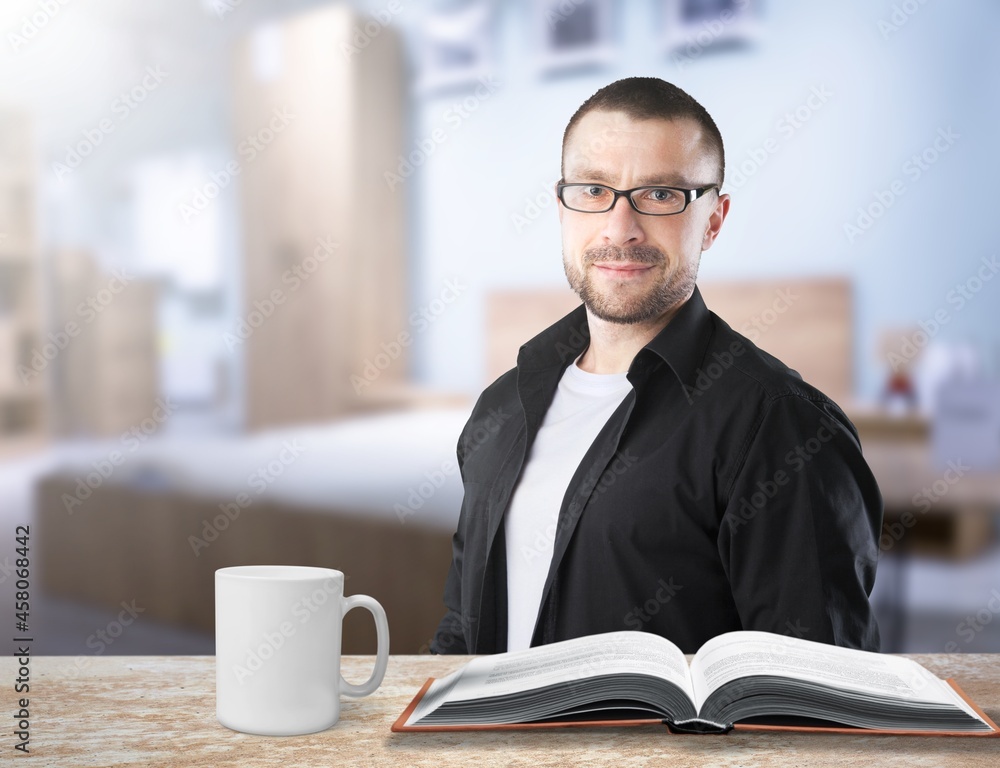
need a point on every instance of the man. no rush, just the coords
(609, 483)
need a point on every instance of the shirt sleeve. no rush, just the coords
(450, 634)
(799, 534)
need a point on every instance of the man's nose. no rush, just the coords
(621, 224)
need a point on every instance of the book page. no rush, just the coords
(610, 653)
(741, 654)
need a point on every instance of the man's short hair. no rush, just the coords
(646, 98)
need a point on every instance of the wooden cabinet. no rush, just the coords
(106, 379)
(24, 358)
(318, 122)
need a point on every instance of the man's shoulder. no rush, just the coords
(500, 396)
(754, 375)
(504, 386)
(760, 388)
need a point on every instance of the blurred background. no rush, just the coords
(259, 258)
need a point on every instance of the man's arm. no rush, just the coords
(799, 536)
(450, 635)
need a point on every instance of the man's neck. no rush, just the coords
(613, 346)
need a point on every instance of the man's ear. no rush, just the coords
(559, 205)
(715, 220)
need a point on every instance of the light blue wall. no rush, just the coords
(889, 96)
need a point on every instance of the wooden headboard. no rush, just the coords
(806, 323)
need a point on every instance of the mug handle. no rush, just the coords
(382, 658)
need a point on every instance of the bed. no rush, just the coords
(375, 496)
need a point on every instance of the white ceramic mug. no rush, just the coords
(277, 648)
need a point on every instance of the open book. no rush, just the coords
(756, 680)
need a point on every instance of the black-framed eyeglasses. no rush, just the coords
(651, 201)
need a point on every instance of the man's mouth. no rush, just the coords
(622, 269)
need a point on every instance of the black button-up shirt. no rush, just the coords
(724, 493)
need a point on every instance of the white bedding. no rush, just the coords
(399, 465)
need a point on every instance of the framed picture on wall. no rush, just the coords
(573, 34)
(692, 27)
(455, 46)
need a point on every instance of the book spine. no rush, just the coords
(697, 725)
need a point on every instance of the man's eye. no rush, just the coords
(594, 192)
(661, 195)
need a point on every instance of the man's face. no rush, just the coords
(628, 267)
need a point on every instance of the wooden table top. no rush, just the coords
(160, 711)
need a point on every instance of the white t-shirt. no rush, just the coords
(582, 405)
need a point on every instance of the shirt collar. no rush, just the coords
(683, 342)
(680, 344)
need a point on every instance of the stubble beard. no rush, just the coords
(622, 304)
